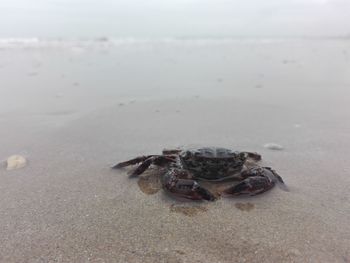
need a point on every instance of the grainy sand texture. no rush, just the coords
(73, 109)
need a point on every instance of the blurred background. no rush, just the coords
(173, 18)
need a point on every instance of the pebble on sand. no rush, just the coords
(16, 162)
(273, 146)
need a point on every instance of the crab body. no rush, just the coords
(213, 164)
(186, 168)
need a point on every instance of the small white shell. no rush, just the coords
(16, 162)
(273, 146)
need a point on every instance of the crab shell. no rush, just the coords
(214, 164)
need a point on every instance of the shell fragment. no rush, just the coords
(16, 162)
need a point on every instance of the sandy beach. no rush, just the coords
(74, 109)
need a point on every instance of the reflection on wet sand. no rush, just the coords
(244, 206)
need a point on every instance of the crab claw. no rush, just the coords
(258, 180)
(251, 186)
(185, 188)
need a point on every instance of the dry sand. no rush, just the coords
(84, 110)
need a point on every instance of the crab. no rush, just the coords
(185, 169)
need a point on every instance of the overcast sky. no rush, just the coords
(173, 18)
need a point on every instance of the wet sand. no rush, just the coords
(67, 205)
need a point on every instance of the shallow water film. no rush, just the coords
(85, 85)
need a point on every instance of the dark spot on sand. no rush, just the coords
(76, 84)
(102, 39)
(287, 61)
(187, 210)
(61, 113)
(153, 256)
(121, 104)
(244, 206)
(32, 74)
(179, 252)
(258, 86)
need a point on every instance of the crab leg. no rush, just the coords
(258, 180)
(180, 183)
(254, 156)
(171, 151)
(142, 167)
(146, 161)
(136, 160)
